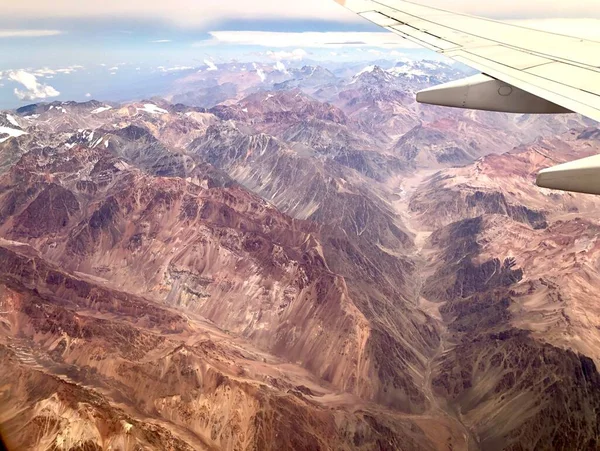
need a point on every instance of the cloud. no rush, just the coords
(47, 72)
(161, 41)
(28, 33)
(70, 69)
(194, 12)
(179, 12)
(172, 69)
(294, 55)
(311, 39)
(33, 88)
(88, 95)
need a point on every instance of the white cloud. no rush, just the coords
(113, 69)
(161, 41)
(33, 88)
(311, 39)
(28, 33)
(172, 69)
(47, 72)
(70, 69)
(294, 55)
(43, 72)
(88, 95)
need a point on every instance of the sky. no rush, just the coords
(76, 50)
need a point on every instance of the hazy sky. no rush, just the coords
(194, 13)
(72, 43)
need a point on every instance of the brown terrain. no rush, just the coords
(323, 266)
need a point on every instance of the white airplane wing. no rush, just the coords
(523, 70)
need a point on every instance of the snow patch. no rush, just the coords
(211, 65)
(152, 109)
(406, 71)
(12, 120)
(366, 70)
(101, 109)
(260, 72)
(11, 132)
(280, 67)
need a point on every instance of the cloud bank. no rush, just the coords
(195, 12)
(28, 33)
(294, 55)
(311, 39)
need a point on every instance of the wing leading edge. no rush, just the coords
(522, 70)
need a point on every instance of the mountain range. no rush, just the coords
(295, 258)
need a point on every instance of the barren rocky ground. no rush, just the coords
(325, 265)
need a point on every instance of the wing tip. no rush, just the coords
(580, 176)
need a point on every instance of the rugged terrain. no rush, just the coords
(313, 262)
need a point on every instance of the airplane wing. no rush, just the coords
(523, 70)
